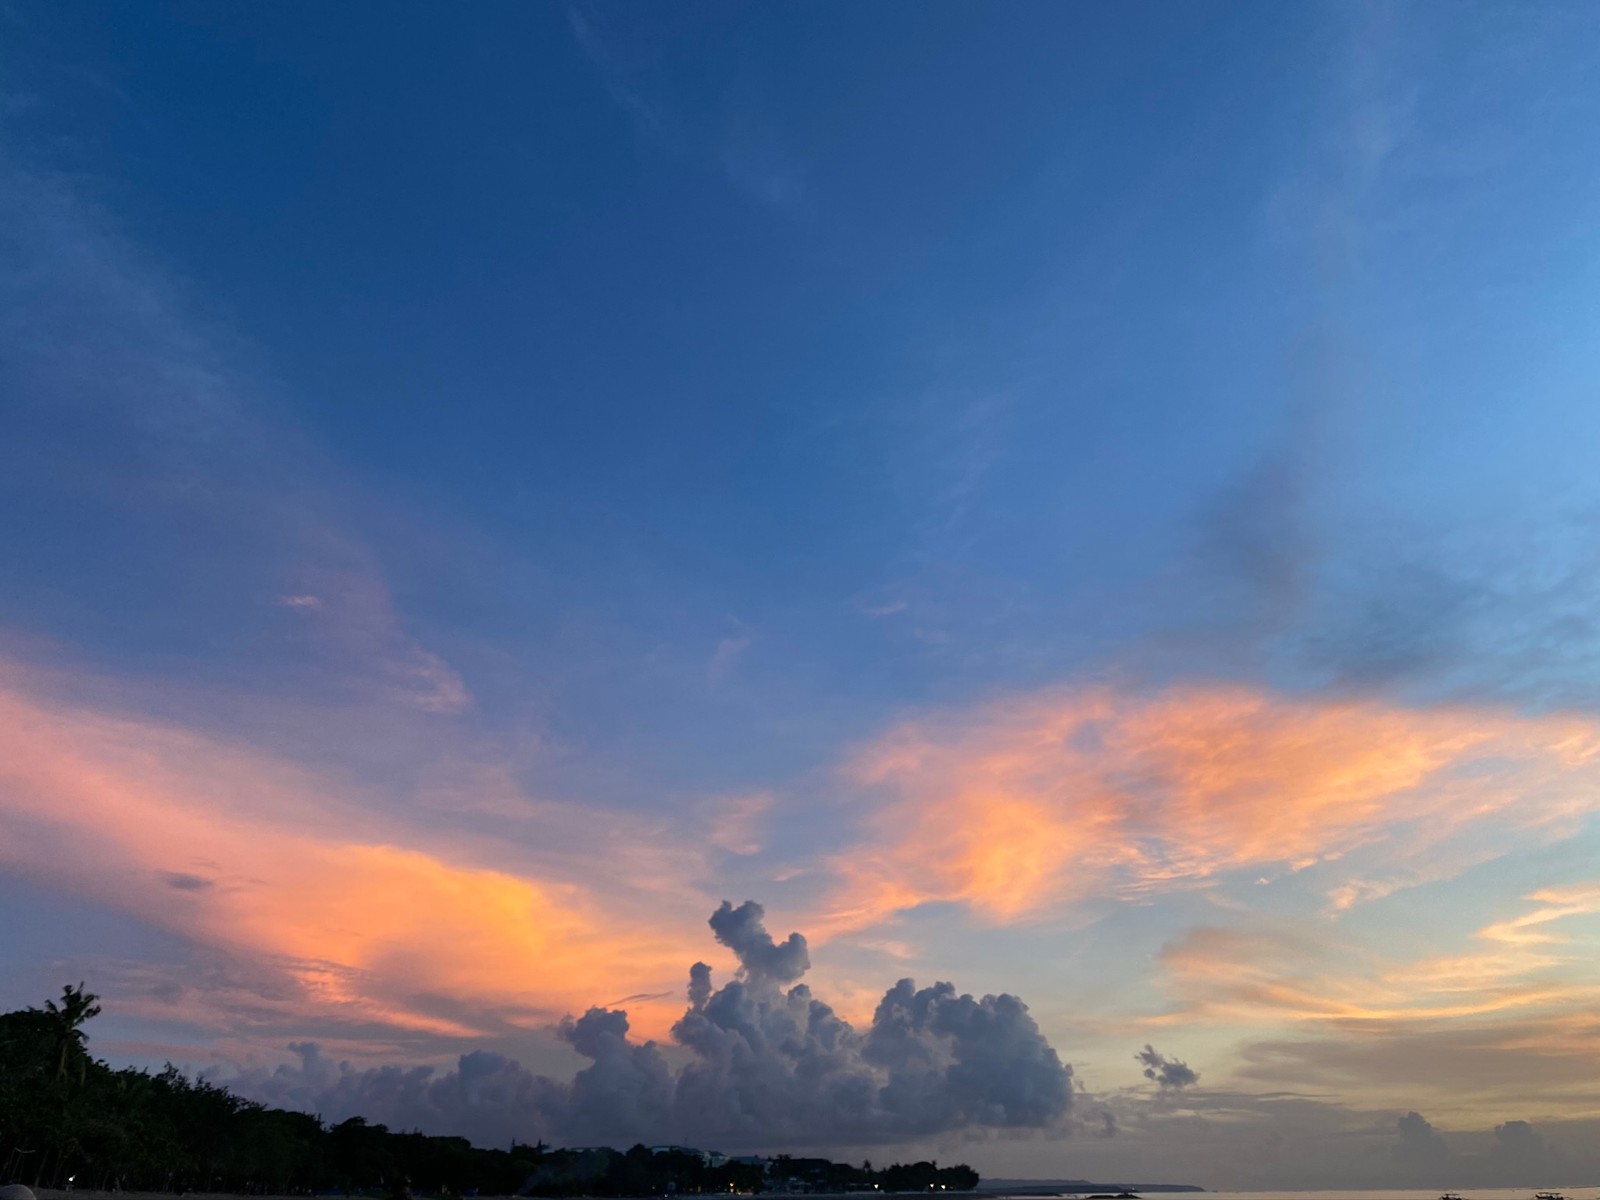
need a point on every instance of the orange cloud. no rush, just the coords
(1555, 904)
(1251, 976)
(376, 921)
(1467, 1034)
(1021, 806)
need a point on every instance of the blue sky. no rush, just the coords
(631, 456)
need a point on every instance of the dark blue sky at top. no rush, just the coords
(628, 327)
(903, 352)
(1093, 501)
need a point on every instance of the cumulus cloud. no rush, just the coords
(1520, 1152)
(770, 1064)
(1518, 1141)
(1419, 1141)
(742, 931)
(1170, 1073)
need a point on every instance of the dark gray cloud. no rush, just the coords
(1519, 1141)
(1419, 1141)
(742, 931)
(770, 1066)
(185, 882)
(699, 985)
(1518, 1138)
(1330, 1144)
(1170, 1073)
(1231, 1140)
(954, 1061)
(1520, 1152)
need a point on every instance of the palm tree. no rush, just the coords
(66, 1027)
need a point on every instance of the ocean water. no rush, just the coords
(1517, 1193)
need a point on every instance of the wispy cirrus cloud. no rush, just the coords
(210, 790)
(1244, 976)
(370, 916)
(725, 658)
(737, 824)
(1024, 805)
(627, 51)
(1497, 1028)
(137, 421)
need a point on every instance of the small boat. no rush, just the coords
(1548, 1196)
(1451, 1196)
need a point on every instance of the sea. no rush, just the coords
(1517, 1193)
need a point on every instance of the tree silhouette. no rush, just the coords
(77, 1006)
(64, 1114)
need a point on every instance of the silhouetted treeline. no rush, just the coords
(821, 1175)
(65, 1116)
(639, 1172)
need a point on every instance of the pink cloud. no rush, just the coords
(237, 849)
(1021, 807)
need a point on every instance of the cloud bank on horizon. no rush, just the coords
(771, 1064)
(1037, 512)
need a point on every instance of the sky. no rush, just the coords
(530, 513)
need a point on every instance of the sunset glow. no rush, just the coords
(1014, 584)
